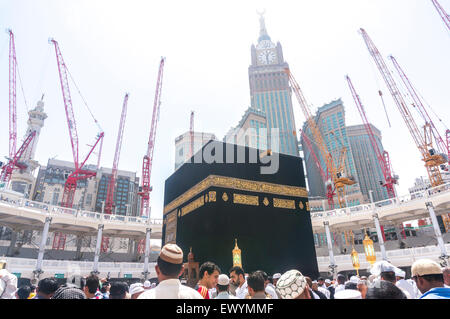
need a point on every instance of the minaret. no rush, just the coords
(23, 180)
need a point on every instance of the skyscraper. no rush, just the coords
(270, 91)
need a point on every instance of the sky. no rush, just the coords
(114, 46)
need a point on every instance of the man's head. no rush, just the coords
(209, 274)
(400, 274)
(362, 288)
(92, 284)
(320, 281)
(341, 279)
(169, 264)
(223, 283)
(327, 282)
(136, 290)
(446, 274)
(388, 276)
(255, 282)
(315, 285)
(46, 288)
(293, 285)
(23, 292)
(76, 281)
(427, 274)
(237, 276)
(265, 276)
(118, 290)
(385, 290)
(275, 278)
(351, 285)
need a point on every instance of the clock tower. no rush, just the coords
(270, 91)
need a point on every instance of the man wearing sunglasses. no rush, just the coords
(429, 278)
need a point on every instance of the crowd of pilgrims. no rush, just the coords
(428, 281)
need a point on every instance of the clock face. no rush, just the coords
(267, 57)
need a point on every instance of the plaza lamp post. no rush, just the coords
(369, 250)
(354, 256)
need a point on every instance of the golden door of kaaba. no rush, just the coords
(209, 205)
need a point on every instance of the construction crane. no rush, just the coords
(419, 105)
(423, 142)
(148, 158)
(383, 158)
(112, 180)
(14, 157)
(445, 17)
(339, 179)
(326, 177)
(191, 131)
(79, 173)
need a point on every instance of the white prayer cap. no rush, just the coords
(314, 282)
(348, 294)
(276, 276)
(382, 266)
(147, 284)
(136, 288)
(400, 273)
(223, 280)
(327, 281)
(354, 279)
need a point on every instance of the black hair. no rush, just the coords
(48, 286)
(24, 292)
(256, 281)
(168, 269)
(351, 285)
(435, 277)
(263, 273)
(209, 267)
(221, 288)
(238, 270)
(92, 282)
(385, 290)
(388, 276)
(118, 290)
(270, 279)
(320, 279)
(341, 278)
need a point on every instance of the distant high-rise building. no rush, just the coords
(183, 146)
(270, 91)
(90, 193)
(330, 119)
(366, 162)
(251, 130)
(22, 181)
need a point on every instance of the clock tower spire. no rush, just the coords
(262, 28)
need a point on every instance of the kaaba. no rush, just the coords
(223, 194)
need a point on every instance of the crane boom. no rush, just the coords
(12, 96)
(148, 158)
(445, 17)
(14, 162)
(339, 182)
(383, 158)
(70, 185)
(112, 180)
(432, 160)
(440, 144)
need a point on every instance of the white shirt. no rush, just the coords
(325, 291)
(339, 288)
(171, 289)
(407, 288)
(9, 285)
(271, 291)
(242, 291)
(225, 295)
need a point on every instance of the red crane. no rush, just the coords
(423, 142)
(383, 158)
(325, 177)
(440, 144)
(79, 173)
(12, 96)
(14, 157)
(445, 17)
(112, 181)
(191, 131)
(148, 158)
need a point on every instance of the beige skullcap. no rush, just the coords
(223, 280)
(171, 253)
(424, 267)
(291, 284)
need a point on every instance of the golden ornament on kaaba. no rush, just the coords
(301, 205)
(237, 260)
(266, 201)
(225, 197)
